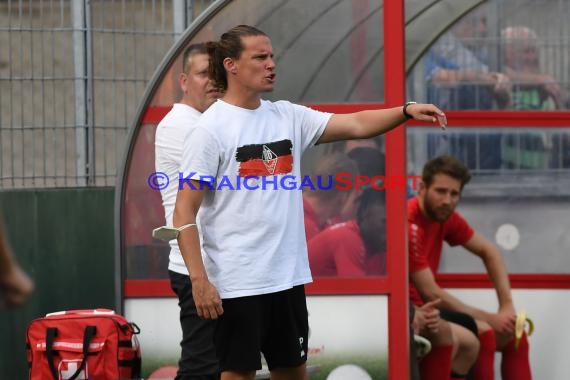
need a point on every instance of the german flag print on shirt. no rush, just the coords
(265, 159)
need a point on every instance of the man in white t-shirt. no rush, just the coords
(198, 357)
(248, 151)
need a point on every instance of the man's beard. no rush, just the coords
(440, 215)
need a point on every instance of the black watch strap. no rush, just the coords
(404, 110)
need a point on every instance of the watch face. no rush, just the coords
(165, 233)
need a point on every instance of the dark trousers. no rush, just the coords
(198, 358)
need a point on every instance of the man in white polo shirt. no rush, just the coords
(198, 360)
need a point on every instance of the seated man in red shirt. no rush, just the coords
(354, 248)
(431, 220)
(326, 200)
(357, 248)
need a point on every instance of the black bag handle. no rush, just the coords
(51, 333)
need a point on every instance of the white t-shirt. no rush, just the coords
(170, 135)
(253, 240)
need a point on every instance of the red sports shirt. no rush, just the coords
(426, 240)
(340, 251)
(311, 222)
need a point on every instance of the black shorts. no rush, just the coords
(461, 319)
(276, 324)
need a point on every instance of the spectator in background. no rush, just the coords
(15, 285)
(458, 77)
(457, 72)
(531, 90)
(198, 356)
(321, 207)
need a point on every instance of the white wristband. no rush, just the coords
(185, 226)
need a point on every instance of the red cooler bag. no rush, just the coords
(83, 345)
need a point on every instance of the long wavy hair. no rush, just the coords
(229, 46)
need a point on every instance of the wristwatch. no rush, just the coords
(406, 114)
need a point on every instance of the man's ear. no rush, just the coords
(230, 65)
(182, 79)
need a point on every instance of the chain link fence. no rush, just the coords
(72, 74)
